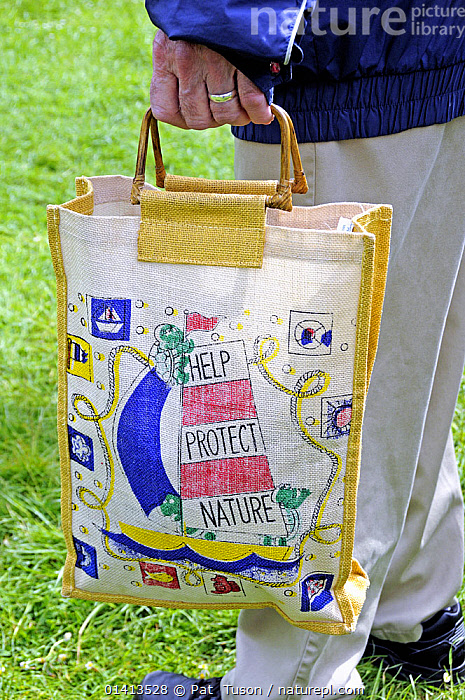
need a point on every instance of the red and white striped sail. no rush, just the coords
(223, 456)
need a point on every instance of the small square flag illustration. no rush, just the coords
(81, 448)
(110, 318)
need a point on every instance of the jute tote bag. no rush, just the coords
(215, 349)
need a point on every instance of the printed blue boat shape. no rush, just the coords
(252, 566)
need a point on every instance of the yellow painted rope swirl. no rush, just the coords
(300, 392)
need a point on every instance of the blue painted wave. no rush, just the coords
(252, 566)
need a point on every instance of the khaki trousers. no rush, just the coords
(409, 535)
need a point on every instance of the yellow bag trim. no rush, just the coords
(82, 204)
(354, 446)
(377, 221)
(199, 228)
(179, 183)
(350, 589)
(53, 225)
(356, 586)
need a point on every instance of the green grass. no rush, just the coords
(75, 80)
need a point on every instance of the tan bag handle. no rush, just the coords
(282, 199)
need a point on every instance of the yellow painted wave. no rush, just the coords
(224, 551)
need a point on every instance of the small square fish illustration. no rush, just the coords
(159, 575)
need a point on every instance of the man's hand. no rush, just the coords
(184, 74)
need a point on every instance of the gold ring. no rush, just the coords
(224, 97)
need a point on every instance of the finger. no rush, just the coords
(192, 91)
(164, 89)
(229, 112)
(164, 100)
(253, 101)
(221, 79)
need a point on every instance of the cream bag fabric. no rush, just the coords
(210, 414)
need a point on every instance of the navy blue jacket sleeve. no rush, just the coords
(249, 35)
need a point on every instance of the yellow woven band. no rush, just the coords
(202, 229)
(181, 183)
